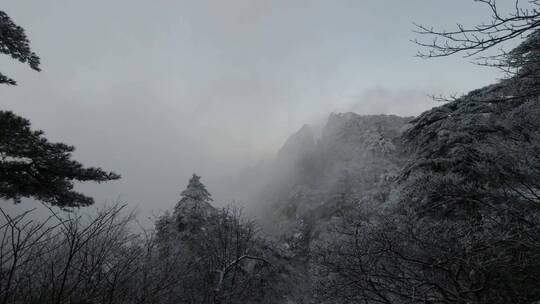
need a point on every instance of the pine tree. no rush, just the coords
(196, 191)
(13, 42)
(31, 166)
(193, 211)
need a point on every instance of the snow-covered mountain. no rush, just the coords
(314, 180)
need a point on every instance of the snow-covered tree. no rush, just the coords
(193, 210)
(196, 191)
(220, 255)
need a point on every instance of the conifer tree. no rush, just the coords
(193, 211)
(13, 42)
(31, 166)
(196, 191)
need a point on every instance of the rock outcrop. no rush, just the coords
(314, 181)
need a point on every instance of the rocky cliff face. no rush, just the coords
(478, 144)
(315, 181)
(297, 146)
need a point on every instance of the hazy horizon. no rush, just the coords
(158, 90)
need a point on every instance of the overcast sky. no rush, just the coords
(157, 90)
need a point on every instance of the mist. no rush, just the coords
(269, 152)
(159, 90)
